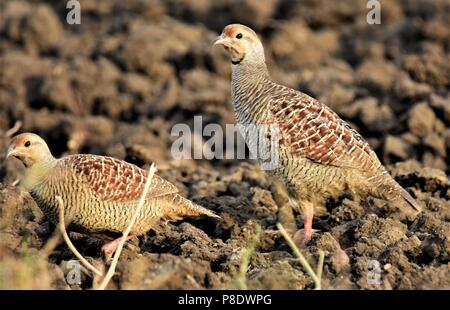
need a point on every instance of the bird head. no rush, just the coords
(242, 44)
(29, 148)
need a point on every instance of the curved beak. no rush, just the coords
(220, 40)
(10, 152)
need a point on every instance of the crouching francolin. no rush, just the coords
(100, 193)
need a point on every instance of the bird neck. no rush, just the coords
(248, 82)
(253, 71)
(38, 172)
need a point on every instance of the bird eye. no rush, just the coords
(239, 36)
(27, 144)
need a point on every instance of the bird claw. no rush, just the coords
(108, 251)
(303, 236)
(109, 248)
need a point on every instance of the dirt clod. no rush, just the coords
(118, 83)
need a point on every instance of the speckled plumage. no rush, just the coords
(320, 155)
(100, 193)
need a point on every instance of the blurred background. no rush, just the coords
(134, 68)
(116, 84)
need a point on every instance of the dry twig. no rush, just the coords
(13, 130)
(62, 227)
(51, 243)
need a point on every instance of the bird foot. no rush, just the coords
(109, 248)
(302, 236)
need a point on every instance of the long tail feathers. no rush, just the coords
(409, 199)
(180, 207)
(392, 191)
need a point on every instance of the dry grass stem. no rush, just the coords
(12, 131)
(302, 259)
(241, 278)
(62, 227)
(113, 265)
(78, 136)
(320, 265)
(51, 243)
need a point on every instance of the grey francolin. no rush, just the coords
(320, 155)
(99, 193)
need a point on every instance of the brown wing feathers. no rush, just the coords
(313, 131)
(117, 180)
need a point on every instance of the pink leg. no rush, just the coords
(307, 226)
(109, 248)
(305, 234)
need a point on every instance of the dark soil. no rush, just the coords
(117, 83)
